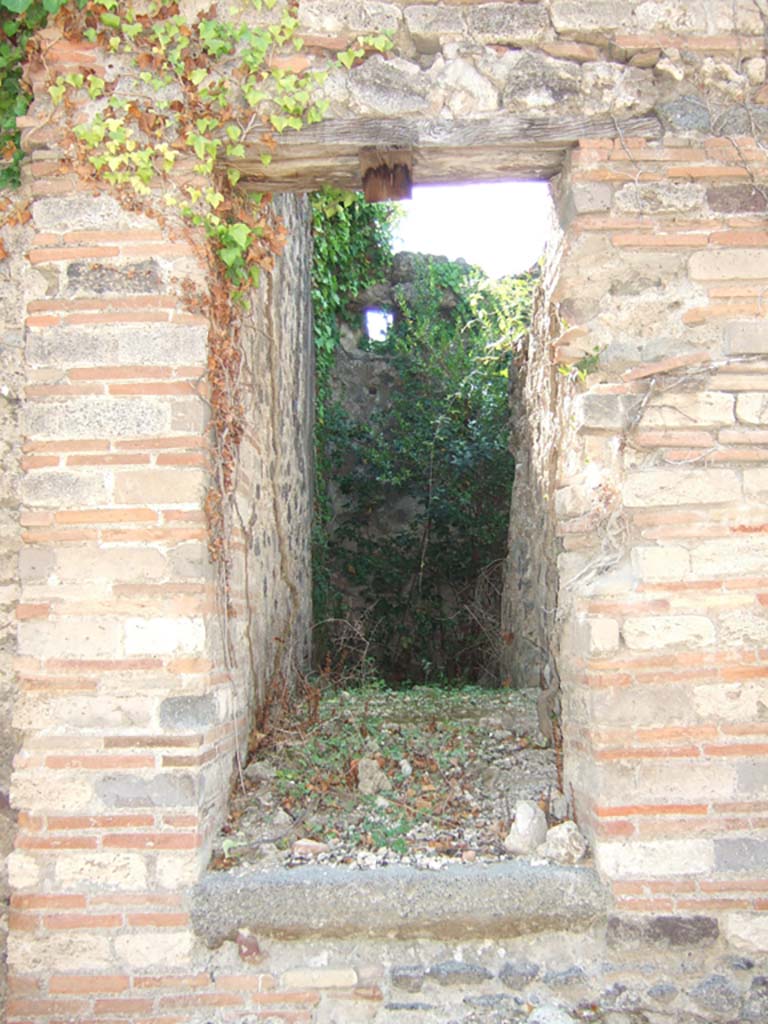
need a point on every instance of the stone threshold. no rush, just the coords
(506, 899)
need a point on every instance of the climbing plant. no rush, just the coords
(439, 449)
(352, 250)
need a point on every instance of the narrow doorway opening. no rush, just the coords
(411, 745)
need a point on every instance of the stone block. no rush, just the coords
(98, 279)
(661, 858)
(646, 705)
(178, 871)
(728, 265)
(101, 870)
(604, 412)
(40, 790)
(319, 977)
(116, 344)
(155, 949)
(660, 197)
(170, 789)
(730, 556)
(752, 408)
(73, 637)
(690, 409)
(666, 930)
(59, 952)
(736, 199)
(390, 88)
(752, 776)
(650, 632)
(745, 701)
(36, 711)
(98, 417)
(157, 636)
(409, 978)
(23, 870)
(680, 781)
(603, 635)
(588, 20)
(516, 974)
(743, 628)
(747, 931)
(159, 486)
(339, 17)
(430, 26)
(685, 114)
(655, 564)
(740, 854)
(190, 713)
(682, 486)
(119, 565)
(85, 212)
(54, 488)
(590, 197)
(746, 337)
(35, 564)
(507, 24)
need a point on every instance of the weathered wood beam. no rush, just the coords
(481, 149)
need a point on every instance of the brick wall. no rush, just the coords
(662, 524)
(14, 238)
(128, 711)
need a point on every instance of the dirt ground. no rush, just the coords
(370, 777)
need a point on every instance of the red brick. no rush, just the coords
(56, 255)
(158, 920)
(88, 983)
(67, 922)
(123, 1006)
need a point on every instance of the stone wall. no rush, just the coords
(14, 237)
(129, 713)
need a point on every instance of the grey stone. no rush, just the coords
(35, 564)
(741, 854)
(409, 977)
(456, 972)
(489, 1001)
(738, 120)
(591, 197)
(509, 898)
(573, 975)
(746, 337)
(83, 212)
(665, 930)
(336, 17)
(370, 777)
(529, 829)
(517, 974)
(539, 83)
(389, 87)
(414, 1007)
(717, 994)
(549, 1015)
(191, 713)
(663, 992)
(168, 790)
(587, 20)
(736, 198)
(756, 1002)
(57, 488)
(128, 279)
(752, 778)
(431, 26)
(564, 844)
(507, 24)
(605, 412)
(685, 114)
(657, 197)
(155, 345)
(94, 416)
